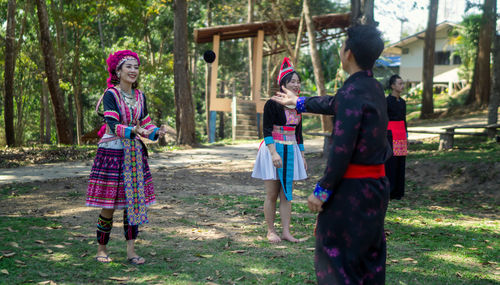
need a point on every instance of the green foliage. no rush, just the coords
(90, 30)
(466, 39)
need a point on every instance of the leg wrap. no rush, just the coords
(130, 232)
(104, 226)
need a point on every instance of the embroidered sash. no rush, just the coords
(133, 180)
(399, 139)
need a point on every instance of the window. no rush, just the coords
(457, 59)
(442, 58)
(405, 50)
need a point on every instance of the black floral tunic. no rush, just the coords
(350, 239)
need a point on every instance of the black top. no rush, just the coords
(396, 109)
(274, 114)
(360, 125)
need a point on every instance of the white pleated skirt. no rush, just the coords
(265, 170)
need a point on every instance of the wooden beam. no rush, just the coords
(237, 31)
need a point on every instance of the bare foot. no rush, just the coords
(289, 238)
(273, 237)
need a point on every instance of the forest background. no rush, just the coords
(84, 33)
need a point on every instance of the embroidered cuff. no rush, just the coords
(268, 140)
(128, 133)
(301, 147)
(301, 105)
(322, 193)
(153, 136)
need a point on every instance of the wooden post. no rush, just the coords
(446, 139)
(213, 88)
(257, 66)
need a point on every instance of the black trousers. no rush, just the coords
(395, 171)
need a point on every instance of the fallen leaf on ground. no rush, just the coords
(130, 269)
(42, 274)
(4, 271)
(49, 282)
(458, 245)
(153, 253)
(459, 275)
(240, 278)
(204, 255)
(39, 241)
(59, 246)
(303, 239)
(11, 230)
(238, 251)
(14, 244)
(8, 253)
(19, 262)
(49, 251)
(118, 278)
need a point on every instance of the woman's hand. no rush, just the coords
(276, 160)
(314, 204)
(288, 97)
(141, 131)
(162, 131)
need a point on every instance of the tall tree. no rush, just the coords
(10, 63)
(62, 123)
(326, 122)
(494, 102)
(483, 80)
(428, 70)
(184, 119)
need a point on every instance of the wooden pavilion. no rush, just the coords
(257, 30)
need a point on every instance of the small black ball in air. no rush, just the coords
(209, 56)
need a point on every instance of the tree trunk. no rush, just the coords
(326, 122)
(251, 4)
(10, 66)
(428, 69)
(482, 84)
(495, 88)
(47, 115)
(298, 40)
(77, 88)
(62, 123)
(184, 119)
(362, 12)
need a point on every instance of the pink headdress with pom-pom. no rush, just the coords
(115, 60)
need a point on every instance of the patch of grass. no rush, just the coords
(14, 190)
(466, 148)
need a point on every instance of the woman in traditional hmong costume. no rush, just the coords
(397, 136)
(353, 194)
(280, 159)
(120, 177)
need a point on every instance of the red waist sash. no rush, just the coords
(365, 171)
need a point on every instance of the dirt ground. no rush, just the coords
(65, 198)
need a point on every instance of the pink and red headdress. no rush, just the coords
(115, 60)
(286, 68)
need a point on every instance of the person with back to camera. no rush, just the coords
(397, 136)
(280, 160)
(353, 194)
(120, 177)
